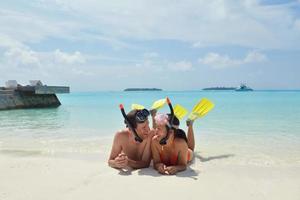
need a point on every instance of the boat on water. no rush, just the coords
(243, 88)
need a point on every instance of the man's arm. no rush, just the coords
(116, 159)
(137, 164)
(146, 155)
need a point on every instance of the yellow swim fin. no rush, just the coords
(158, 104)
(135, 106)
(180, 111)
(201, 109)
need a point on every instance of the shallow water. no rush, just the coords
(261, 121)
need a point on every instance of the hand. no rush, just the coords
(156, 137)
(161, 168)
(189, 122)
(171, 170)
(121, 161)
(152, 133)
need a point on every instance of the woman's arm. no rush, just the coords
(157, 164)
(182, 151)
(190, 135)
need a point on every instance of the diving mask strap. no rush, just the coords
(164, 140)
(136, 136)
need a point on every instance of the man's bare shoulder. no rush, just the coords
(122, 134)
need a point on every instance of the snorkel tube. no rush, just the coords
(163, 141)
(136, 136)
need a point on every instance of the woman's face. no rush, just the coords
(161, 130)
(143, 129)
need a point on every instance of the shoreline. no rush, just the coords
(241, 149)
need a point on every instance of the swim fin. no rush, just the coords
(180, 111)
(158, 104)
(201, 109)
(135, 106)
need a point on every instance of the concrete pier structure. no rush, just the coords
(31, 96)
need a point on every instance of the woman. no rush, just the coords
(174, 155)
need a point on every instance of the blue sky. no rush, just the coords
(174, 45)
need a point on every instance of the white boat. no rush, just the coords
(243, 88)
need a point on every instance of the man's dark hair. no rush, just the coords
(131, 118)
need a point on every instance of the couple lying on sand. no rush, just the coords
(167, 144)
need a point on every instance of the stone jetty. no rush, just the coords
(35, 95)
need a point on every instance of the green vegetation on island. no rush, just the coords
(142, 89)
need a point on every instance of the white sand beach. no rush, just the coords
(35, 173)
(68, 68)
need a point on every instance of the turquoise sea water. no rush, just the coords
(260, 118)
(97, 113)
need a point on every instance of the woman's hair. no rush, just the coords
(162, 119)
(166, 120)
(175, 120)
(179, 133)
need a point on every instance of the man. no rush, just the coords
(132, 146)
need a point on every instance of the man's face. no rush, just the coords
(143, 129)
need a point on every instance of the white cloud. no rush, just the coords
(180, 66)
(254, 56)
(6, 41)
(138, 26)
(297, 25)
(68, 58)
(29, 26)
(151, 55)
(203, 23)
(218, 61)
(21, 56)
(24, 56)
(154, 63)
(81, 72)
(200, 22)
(21, 62)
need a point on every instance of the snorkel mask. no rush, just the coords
(140, 117)
(163, 141)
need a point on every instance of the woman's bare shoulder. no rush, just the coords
(180, 143)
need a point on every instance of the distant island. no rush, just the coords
(242, 88)
(220, 88)
(142, 89)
